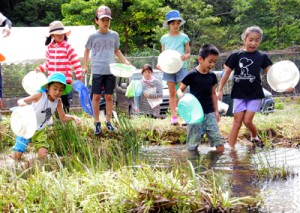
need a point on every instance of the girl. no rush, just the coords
(149, 82)
(247, 92)
(175, 40)
(44, 103)
(61, 57)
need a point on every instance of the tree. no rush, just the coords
(36, 12)
(279, 20)
(135, 21)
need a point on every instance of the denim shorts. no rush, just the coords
(209, 126)
(240, 105)
(176, 77)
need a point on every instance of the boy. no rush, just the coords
(202, 84)
(44, 103)
(104, 44)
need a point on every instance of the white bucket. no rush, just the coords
(223, 107)
(170, 61)
(283, 75)
(121, 70)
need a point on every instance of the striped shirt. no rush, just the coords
(144, 106)
(61, 57)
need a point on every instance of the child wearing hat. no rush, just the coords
(44, 103)
(104, 45)
(61, 57)
(203, 85)
(175, 40)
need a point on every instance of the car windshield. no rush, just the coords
(158, 75)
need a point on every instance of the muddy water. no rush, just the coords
(240, 166)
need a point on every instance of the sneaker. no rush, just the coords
(183, 123)
(257, 141)
(97, 128)
(193, 147)
(109, 126)
(174, 120)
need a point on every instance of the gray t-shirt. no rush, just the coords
(102, 46)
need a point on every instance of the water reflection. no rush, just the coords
(239, 166)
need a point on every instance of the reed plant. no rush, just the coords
(272, 170)
(129, 189)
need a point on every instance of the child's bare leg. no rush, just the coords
(17, 155)
(248, 122)
(42, 153)
(172, 98)
(237, 122)
(109, 106)
(220, 148)
(95, 103)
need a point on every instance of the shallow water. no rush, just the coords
(240, 166)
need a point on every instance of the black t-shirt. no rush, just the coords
(247, 67)
(201, 87)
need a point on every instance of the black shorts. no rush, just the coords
(106, 82)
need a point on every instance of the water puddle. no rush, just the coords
(240, 166)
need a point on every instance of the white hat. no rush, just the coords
(56, 27)
(170, 61)
(283, 75)
(33, 81)
(23, 121)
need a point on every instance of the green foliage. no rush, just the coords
(37, 12)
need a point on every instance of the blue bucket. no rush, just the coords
(190, 109)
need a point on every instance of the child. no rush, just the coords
(247, 92)
(104, 44)
(149, 82)
(61, 57)
(6, 24)
(202, 84)
(45, 103)
(175, 40)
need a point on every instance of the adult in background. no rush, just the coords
(6, 24)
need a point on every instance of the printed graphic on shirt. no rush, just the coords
(103, 45)
(48, 115)
(244, 65)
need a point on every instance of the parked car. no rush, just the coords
(125, 104)
(268, 103)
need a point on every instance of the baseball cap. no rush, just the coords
(103, 11)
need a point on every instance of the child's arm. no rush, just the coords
(64, 117)
(223, 81)
(187, 52)
(214, 98)
(74, 61)
(30, 99)
(43, 67)
(181, 91)
(86, 60)
(120, 55)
